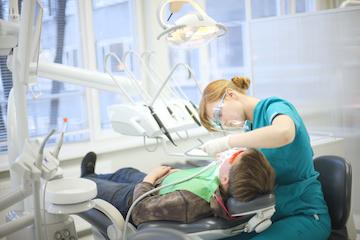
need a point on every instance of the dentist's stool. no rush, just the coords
(335, 177)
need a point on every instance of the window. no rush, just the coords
(181, 75)
(112, 37)
(224, 57)
(106, 3)
(5, 86)
(58, 100)
(263, 8)
(118, 47)
(227, 53)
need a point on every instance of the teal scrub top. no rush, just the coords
(297, 189)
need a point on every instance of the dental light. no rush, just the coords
(192, 30)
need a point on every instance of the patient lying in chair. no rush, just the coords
(244, 176)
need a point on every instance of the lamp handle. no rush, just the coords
(161, 9)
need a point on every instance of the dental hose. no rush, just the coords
(159, 188)
(61, 139)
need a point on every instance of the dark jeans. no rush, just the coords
(117, 188)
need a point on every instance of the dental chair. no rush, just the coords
(336, 179)
(250, 216)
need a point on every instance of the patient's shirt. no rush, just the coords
(203, 185)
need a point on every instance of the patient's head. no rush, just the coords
(247, 175)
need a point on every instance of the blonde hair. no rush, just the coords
(215, 90)
(251, 177)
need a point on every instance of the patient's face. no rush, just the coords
(225, 169)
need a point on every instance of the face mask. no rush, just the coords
(234, 126)
(216, 121)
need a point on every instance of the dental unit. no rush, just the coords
(141, 113)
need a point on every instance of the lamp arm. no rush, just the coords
(161, 9)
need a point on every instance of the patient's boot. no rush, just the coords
(88, 164)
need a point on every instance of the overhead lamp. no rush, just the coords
(192, 30)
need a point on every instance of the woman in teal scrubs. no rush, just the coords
(278, 131)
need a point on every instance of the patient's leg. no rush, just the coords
(123, 175)
(118, 194)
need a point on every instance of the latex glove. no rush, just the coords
(215, 146)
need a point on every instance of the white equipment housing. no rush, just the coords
(137, 120)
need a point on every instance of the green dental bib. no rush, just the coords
(203, 185)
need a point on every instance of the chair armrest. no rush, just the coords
(114, 231)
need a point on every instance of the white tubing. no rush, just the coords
(16, 225)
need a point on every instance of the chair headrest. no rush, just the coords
(159, 234)
(336, 179)
(237, 208)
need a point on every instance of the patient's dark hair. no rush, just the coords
(251, 176)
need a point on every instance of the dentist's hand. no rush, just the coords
(215, 146)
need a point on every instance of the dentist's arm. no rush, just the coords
(280, 133)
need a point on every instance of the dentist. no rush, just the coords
(274, 126)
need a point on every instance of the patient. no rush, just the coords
(244, 176)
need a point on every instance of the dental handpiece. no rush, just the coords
(193, 116)
(161, 125)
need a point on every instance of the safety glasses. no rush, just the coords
(232, 159)
(217, 113)
(229, 125)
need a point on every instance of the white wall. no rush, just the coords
(313, 60)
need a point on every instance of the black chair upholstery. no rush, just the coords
(98, 220)
(336, 178)
(205, 224)
(159, 234)
(215, 223)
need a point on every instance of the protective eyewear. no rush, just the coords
(217, 113)
(232, 159)
(228, 126)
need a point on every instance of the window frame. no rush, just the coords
(104, 46)
(105, 3)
